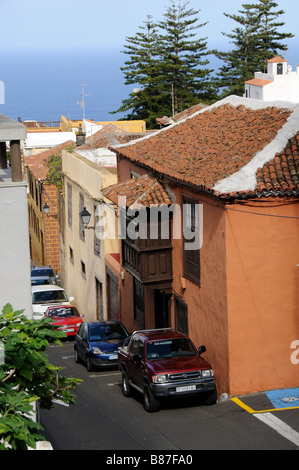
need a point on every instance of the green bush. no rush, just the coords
(26, 376)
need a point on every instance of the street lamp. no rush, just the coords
(46, 208)
(85, 216)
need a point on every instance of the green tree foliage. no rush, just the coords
(26, 376)
(255, 40)
(183, 56)
(54, 164)
(167, 61)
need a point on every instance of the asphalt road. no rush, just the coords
(103, 419)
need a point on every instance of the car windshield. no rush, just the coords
(106, 332)
(40, 281)
(64, 312)
(49, 296)
(42, 272)
(170, 348)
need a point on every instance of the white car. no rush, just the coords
(44, 296)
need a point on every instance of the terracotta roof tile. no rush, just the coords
(258, 82)
(107, 136)
(209, 145)
(143, 191)
(282, 172)
(36, 162)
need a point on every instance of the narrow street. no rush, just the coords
(104, 419)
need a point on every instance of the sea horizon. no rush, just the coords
(43, 86)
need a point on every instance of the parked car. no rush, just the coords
(164, 363)
(42, 271)
(97, 343)
(40, 280)
(66, 317)
(45, 296)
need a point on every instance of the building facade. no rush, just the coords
(14, 251)
(230, 173)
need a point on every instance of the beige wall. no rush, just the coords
(87, 178)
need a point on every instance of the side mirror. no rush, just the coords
(71, 299)
(137, 358)
(201, 349)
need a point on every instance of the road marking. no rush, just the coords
(275, 423)
(279, 426)
(60, 402)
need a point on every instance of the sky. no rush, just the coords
(52, 25)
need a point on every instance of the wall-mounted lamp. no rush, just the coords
(46, 208)
(85, 217)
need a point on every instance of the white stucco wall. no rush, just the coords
(15, 282)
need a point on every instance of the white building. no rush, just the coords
(15, 283)
(279, 83)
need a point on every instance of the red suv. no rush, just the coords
(162, 364)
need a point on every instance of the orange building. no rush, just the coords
(230, 174)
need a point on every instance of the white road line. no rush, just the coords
(279, 426)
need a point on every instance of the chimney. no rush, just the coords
(80, 136)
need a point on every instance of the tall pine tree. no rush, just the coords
(167, 62)
(184, 56)
(255, 40)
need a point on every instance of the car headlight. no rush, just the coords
(96, 351)
(159, 379)
(207, 373)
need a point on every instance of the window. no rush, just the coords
(97, 233)
(279, 69)
(181, 315)
(81, 225)
(71, 255)
(191, 252)
(83, 270)
(69, 204)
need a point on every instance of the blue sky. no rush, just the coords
(104, 24)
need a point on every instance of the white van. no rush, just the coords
(44, 296)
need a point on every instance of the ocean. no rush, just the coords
(42, 86)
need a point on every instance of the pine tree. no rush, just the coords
(167, 62)
(183, 56)
(255, 40)
(141, 70)
(269, 36)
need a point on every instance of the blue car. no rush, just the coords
(96, 344)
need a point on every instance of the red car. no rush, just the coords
(66, 317)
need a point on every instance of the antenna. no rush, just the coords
(82, 103)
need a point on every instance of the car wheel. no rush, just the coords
(89, 365)
(126, 389)
(150, 402)
(77, 358)
(210, 398)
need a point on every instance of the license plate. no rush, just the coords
(114, 356)
(186, 388)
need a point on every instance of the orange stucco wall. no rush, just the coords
(263, 295)
(207, 311)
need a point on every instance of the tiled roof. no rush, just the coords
(36, 162)
(107, 136)
(258, 82)
(277, 58)
(282, 172)
(210, 145)
(144, 191)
